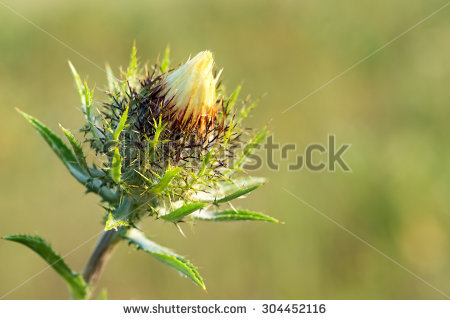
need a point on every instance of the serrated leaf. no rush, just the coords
(59, 147)
(183, 211)
(164, 182)
(166, 60)
(76, 148)
(69, 160)
(75, 281)
(165, 255)
(116, 166)
(232, 215)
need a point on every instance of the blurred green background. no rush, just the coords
(393, 108)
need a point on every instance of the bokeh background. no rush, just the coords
(393, 108)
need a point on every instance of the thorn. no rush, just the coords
(181, 230)
(232, 207)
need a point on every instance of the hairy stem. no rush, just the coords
(100, 256)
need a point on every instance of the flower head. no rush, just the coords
(189, 94)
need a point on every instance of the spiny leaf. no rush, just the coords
(111, 79)
(166, 60)
(245, 111)
(86, 97)
(132, 67)
(180, 213)
(121, 124)
(205, 162)
(116, 166)
(85, 94)
(159, 127)
(236, 194)
(164, 182)
(76, 148)
(120, 216)
(75, 281)
(232, 215)
(78, 84)
(112, 223)
(227, 188)
(165, 255)
(59, 147)
(233, 97)
(70, 161)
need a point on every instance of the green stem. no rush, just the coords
(100, 256)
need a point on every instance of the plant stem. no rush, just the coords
(100, 256)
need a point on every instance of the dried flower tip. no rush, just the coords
(189, 94)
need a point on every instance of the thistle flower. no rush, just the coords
(147, 164)
(189, 94)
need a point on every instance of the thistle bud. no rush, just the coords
(189, 95)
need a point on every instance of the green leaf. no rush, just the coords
(245, 111)
(166, 60)
(111, 79)
(183, 211)
(75, 281)
(116, 166)
(78, 84)
(86, 95)
(233, 97)
(76, 148)
(120, 216)
(165, 255)
(236, 194)
(232, 215)
(132, 67)
(132, 70)
(109, 195)
(113, 223)
(164, 182)
(206, 161)
(121, 124)
(232, 187)
(59, 147)
(70, 161)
